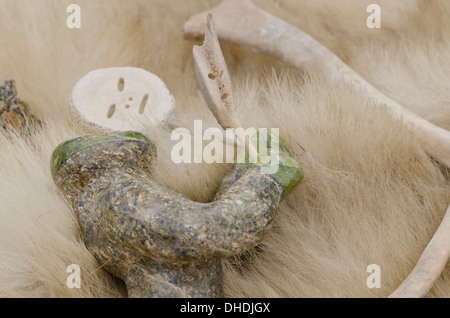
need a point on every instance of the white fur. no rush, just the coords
(370, 195)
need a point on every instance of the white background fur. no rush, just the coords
(370, 196)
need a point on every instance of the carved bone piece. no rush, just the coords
(243, 23)
(120, 99)
(215, 83)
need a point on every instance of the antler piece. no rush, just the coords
(430, 265)
(242, 23)
(215, 83)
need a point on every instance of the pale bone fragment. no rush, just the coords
(125, 99)
(430, 265)
(215, 83)
(120, 99)
(243, 23)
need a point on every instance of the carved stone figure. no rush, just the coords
(158, 241)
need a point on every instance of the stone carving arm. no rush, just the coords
(173, 227)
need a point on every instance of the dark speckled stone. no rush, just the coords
(158, 241)
(14, 113)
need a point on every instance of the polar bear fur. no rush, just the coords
(371, 195)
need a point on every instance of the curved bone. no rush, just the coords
(241, 22)
(430, 265)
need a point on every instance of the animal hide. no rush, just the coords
(371, 195)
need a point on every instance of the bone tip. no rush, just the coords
(210, 23)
